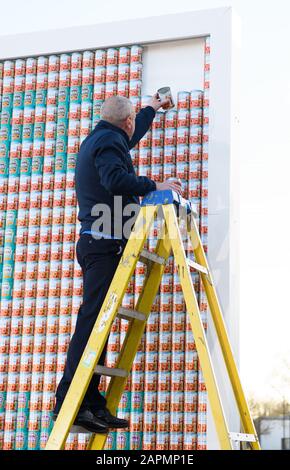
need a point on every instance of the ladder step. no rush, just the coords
(110, 372)
(127, 314)
(240, 437)
(197, 267)
(147, 255)
(75, 429)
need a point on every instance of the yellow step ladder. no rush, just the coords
(173, 211)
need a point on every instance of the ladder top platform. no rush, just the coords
(157, 198)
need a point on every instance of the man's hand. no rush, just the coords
(171, 185)
(156, 103)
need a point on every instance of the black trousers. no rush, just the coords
(99, 260)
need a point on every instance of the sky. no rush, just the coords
(264, 167)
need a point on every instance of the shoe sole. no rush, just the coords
(119, 427)
(90, 428)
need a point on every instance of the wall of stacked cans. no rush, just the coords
(48, 106)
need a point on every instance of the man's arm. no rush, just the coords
(143, 121)
(145, 117)
(114, 175)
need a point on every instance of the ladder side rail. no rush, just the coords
(221, 330)
(197, 327)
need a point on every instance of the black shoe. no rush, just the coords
(87, 420)
(111, 421)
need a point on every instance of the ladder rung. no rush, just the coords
(147, 255)
(240, 437)
(197, 267)
(128, 314)
(111, 372)
(75, 429)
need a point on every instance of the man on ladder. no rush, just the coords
(104, 170)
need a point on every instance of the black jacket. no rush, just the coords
(104, 169)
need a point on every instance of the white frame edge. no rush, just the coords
(223, 27)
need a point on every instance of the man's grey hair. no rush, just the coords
(116, 109)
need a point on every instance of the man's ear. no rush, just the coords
(129, 120)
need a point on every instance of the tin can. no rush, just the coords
(182, 170)
(176, 421)
(53, 63)
(168, 170)
(19, 67)
(195, 135)
(136, 439)
(163, 401)
(76, 90)
(183, 100)
(157, 172)
(157, 155)
(177, 381)
(170, 136)
(41, 81)
(9, 68)
(100, 57)
(190, 401)
(182, 135)
(136, 103)
(8, 441)
(178, 360)
(110, 90)
(111, 441)
(149, 440)
(123, 440)
(151, 341)
(196, 117)
(164, 363)
(123, 88)
(137, 394)
(183, 118)
(135, 87)
(176, 441)
(123, 72)
(151, 379)
(149, 422)
(8, 87)
(136, 71)
(164, 381)
(190, 441)
(88, 59)
(150, 401)
(124, 55)
(196, 99)
(136, 53)
(144, 156)
(125, 402)
(157, 137)
(162, 441)
(112, 73)
(136, 421)
(178, 340)
(190, 422)
(151, 361)
(165, 302)
(76, 60)
(177, 401)
(112, 56)
(191, 380)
